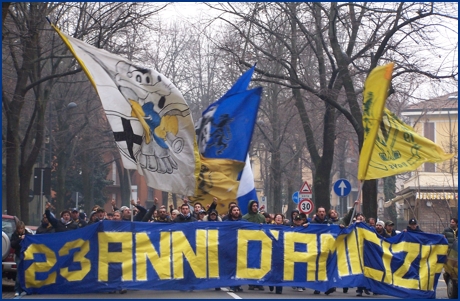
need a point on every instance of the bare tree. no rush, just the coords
(328, 50)
(34, 58)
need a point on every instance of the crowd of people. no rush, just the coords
(73, 219)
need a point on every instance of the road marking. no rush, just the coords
(235, 296)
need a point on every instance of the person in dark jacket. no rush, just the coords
(65, 223)
(294, 213)
(413, 227)
(148, 217)
(126, 212)
(389, 228)
(45, 226)
(380, 229)
(75, 214)
(321, 218)
(213, 216)
(235, 216)
(230, 206)
(185, 216)
(16, 239)
(254, 216)
(451, 233)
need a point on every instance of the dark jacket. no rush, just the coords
(384, 233)
(316, 220)
(16, 242)
(45, 228)
(139, 216)
(253, 217)
(180, 218)
(148, 216)
(80, 223)
(167, 219)
(207, 219)
(291, 221)
(450, 234)
(409, 229)
(59, 225)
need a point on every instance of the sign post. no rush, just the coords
(305, 191)
(306, 206)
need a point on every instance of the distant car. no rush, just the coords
(8, 227)
(8, 263)
(451, 271)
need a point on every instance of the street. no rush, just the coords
(288, 293)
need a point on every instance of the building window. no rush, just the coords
(150, 193)
(428, 132)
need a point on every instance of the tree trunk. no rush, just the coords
(370, 198)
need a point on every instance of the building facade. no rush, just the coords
(430, 195)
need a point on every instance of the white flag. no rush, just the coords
(150, 119)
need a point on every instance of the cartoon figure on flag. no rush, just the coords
(149, 117)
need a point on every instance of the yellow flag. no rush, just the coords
(375, 95)
(218, 178)
(390, 146)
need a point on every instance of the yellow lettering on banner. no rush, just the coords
(78, 256)
(213, 253)
(353, 254)
(275, 233)
(145, 250)
(412, 250)
(125, 256)
(366, 235)
(291, 256)
(386, 258)
(342, 258)
(327, 247)
(39, 267)
(429, 258)
(197, 261)
(242, 270)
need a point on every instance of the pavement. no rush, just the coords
(288, 293)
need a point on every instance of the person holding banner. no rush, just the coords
(321, 218)
(230, 206)
(235, 216)
(413, 227)
(278, 220)
(254, 216)
(16, 239)
(380, 230)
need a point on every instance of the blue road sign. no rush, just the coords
(295, 197)
(342, 187)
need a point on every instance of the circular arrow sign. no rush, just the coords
(306, 206)
(342, 187)
(295, 197)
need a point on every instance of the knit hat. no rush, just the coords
(381, 223)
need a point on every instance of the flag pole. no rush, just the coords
(130, 195)
(356, 202)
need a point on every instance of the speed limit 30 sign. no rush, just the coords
(306, 206)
